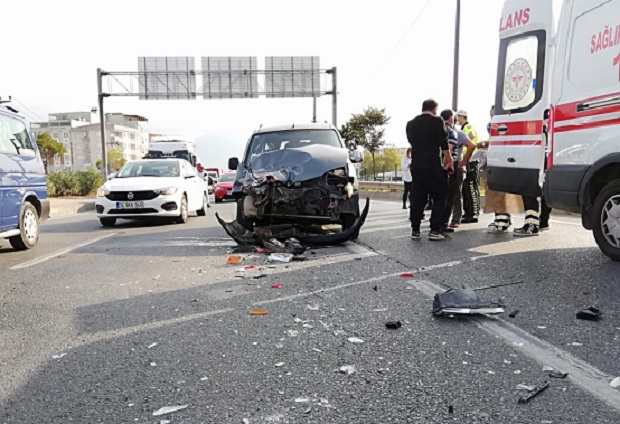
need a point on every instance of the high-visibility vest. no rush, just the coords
(467, 128)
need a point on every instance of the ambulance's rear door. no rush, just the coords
(517, 149)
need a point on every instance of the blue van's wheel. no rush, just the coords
(28, 228)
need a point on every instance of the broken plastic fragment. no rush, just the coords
(246, 421)
(279, 364)
(317, 350)
(407, 275)
(302, 400)
(465, 302)
(517, 372)
(233, 260)
(293, 333)
(547, 368)
(577, 344)
(59, 356)
(281, 257)
(152, 345)
(558, 374)
(514, 313)
(313, 307)
(615, 383)
(380, 310)
(259, 312)
(355, 340)
(524, 387)
(535, 392)
(347, 369)
(393, 325)
(168, 410)
(590, 314)
(204, 378)
(153, 364)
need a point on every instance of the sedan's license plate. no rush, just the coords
(129, 205)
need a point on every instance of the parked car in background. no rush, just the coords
(166, 188)
(23, 191)
(224, 188)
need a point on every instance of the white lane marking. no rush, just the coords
(49, 256)
(385, 228)
(82, 216)
(326, 290)
(586, 376)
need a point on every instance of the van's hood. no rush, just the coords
(141, 183)
(300, 164)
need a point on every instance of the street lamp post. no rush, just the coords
(457, 42)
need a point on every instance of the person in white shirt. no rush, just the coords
(405, 165)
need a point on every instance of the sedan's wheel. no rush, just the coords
(203, 211)
(107, 222)
(184, 213)
(28, 228)
(606, 213)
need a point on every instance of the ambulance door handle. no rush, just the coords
(502, 129)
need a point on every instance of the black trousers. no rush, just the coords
(471, 191)
(427, 182)
(407, 192)
(531, 203)
(455, 182)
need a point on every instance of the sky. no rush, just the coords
(385, 58)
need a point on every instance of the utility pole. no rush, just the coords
(104, 158)
(457, 47)
(313, 109)
(334, 93)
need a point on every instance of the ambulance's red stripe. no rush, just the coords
(516, 142)
(568, 111)
(517, 128)
(587, 125)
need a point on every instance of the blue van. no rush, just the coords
(23, 190)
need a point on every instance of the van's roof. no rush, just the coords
(9, 110)
(292, 127)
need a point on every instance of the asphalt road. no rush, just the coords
(110, 325)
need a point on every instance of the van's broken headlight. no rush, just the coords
(339, 172)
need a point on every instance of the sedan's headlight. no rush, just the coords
(102, 192)
(168, 191)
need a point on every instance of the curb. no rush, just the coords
(58, 211)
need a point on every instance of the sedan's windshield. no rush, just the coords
(150, 168)
(227, 178)
(291, 139)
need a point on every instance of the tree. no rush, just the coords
(115, 160)
(366, 130)
(392, 159)
(48, 147)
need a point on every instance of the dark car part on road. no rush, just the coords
(291, 246)
(464, 302)
(306, 235)
(537, 390)
(514, 313)
(590, 314)
(393, 325)
(558, 374)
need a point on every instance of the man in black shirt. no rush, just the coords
(431, 162)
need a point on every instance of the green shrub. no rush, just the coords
(88, 182)
(64, 182)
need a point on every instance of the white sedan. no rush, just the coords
(152, 188)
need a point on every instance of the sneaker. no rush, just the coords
(494, 229)
(415, 234)
(469, 221)
(528, 230)
(404, 206)
(454, 225)
(447, 230)
(439, 236)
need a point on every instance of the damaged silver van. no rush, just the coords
(297, 181)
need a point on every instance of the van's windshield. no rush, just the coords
(291, 139)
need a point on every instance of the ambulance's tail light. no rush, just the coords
(550, 135)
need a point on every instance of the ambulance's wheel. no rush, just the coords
(606, 219)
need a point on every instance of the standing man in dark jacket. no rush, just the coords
(431, 162)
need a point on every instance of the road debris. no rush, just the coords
(535, 392)
(279, 364)
(291, 245)
(317, 350)
(375, 288)
(450, 409)
(524, 387)
(168, 410)
(615, 383)
(547, 368)
(558, 374)
(347, 369)
(514, 313)
(586, 293)
(276, 286)
(393, 325)
(464, 302)
(407, 275)
(380, 310)
(59, 356)
(243, 249)
(153, 364)
(246, 421)
(313, 307)
(281, 257)
(156, 278)
(258, 312)
(152, 345)
(590, 314)
(496, 286)
(233, 260)
(577, 344)
(302, 400)
(293, 333)
(249, 268)
(355, 340)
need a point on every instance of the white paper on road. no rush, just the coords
(152, 346)
(168, 410)
(615, 382)
(347, 369)
(355, 340)
(59, 356)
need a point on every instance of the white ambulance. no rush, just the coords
(560, 91)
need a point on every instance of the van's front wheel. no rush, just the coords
(606, 220)
(28, 228)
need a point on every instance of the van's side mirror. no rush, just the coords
(356, 156)
(233, 163)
